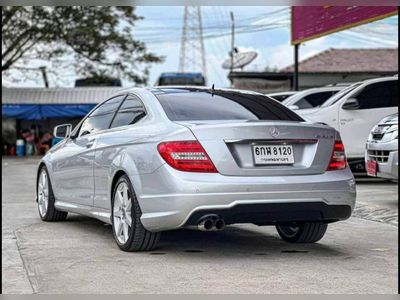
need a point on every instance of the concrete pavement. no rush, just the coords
(79, 255)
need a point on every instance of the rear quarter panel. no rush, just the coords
(132, 150)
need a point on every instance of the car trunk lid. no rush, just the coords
(230, 145)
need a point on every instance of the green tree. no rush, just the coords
(94, 40)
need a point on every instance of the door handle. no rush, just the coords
(90, 143)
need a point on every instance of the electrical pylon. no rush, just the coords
(192, 55)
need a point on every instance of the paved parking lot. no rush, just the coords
(79, 255)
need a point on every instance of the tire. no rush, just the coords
(47, 211)
(302, 233)
(138, 238)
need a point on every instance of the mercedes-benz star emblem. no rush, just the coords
(274, 132)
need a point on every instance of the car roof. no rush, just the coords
(372, 80)
(181, 74)
(323, 89)
(282, 93)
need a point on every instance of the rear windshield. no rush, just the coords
(186, 105)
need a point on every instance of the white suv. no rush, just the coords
(381, 153)
(355, 110)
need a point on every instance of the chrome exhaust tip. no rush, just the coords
(206, 225)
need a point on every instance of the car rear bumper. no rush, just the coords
(388, 168)
(275, 213)
(176, 199)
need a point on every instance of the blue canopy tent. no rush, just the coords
(48, 103)
(45, 108)
(45, 111)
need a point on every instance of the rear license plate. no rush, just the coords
(372, 168)
(273, 154)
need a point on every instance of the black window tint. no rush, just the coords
(101, 117)
(314, 100)
(131, 111)
(96, 123)
(303, 104)
(109, 106)
(378, 95)
(195, 105)
(280, 98)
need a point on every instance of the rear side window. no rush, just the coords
(131, 111)
(379, 95)
(185, 105)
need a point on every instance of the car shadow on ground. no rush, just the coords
(234, 241)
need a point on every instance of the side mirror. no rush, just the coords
(351, 104)
(293, 107)
(62, 131)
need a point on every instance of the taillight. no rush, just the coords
(186, 156)
(338, 158)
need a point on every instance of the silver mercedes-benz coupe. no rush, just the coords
(154, 159)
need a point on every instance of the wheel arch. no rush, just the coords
(124, 164)
(117, 175)
(39, 168)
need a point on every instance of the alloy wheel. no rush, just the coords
(122, 212)
(43, 193)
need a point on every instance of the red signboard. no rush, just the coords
(310, 22)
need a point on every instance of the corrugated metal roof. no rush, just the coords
(57, 95)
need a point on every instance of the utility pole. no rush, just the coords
(232, 43)
(296, 67)
(192, 53)
(44, 75)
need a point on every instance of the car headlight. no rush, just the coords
(392, 132)
(388, 133)
(370, 136)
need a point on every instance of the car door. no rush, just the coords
(376, 101)
(73, 163)
(111, 143)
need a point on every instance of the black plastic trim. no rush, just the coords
(277, 213)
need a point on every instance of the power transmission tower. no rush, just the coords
(192, 55)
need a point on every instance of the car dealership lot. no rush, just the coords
(79, 255)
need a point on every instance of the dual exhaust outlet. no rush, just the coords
(211, 223)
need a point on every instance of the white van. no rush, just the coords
(355, 110)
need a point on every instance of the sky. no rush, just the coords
(264, 29)
(272, 45)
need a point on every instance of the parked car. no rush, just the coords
(150, 160)
(311, 98)
(381, 155)
(184, 79)
(355, 112)
(281, 95)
